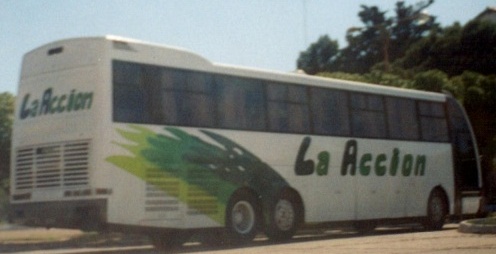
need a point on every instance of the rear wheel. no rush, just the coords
(437, 210)
(285, 217)
(243, 217)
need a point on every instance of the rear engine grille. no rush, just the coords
(52, 165)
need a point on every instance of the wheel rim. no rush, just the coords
(243, 217)
(284, 215)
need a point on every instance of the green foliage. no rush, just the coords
(456, 49)
(409, 26)
(374, 77)
(475, 90)
(434, 51)
(380, 39)
(402, 41)
(320, 56)
(6, 118)
(365, 44)
(433, 80)
(4, 201)
(344, 76)
(478, 50)
(6, 114)
(394, 79)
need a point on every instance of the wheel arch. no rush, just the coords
(244, 189)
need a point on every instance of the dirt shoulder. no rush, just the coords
(382, 240)
(36, 235)
(29, 239)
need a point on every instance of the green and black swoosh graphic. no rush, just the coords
(215, 168)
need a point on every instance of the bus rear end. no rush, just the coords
(55, 127)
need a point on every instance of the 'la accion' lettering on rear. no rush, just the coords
(51, 103)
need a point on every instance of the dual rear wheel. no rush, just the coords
(244, 217)
(285, 216)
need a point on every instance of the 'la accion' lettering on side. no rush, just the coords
(392, 163)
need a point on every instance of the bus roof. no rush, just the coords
(151, 53)
(287, 77)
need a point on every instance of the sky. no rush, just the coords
(266, 34)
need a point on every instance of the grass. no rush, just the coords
(485, 221)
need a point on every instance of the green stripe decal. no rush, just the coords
(208, 172)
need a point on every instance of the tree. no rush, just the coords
(478, 47)
(384, 39)
(455, 49)
(479, 99)
(6, 118)
(366, 47)
(319, 57)
(436, 51)
(410, 25)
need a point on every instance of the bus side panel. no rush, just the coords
(163, 180)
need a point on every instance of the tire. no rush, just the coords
(169, 240)
(242, 217)
(437, 210)
(285, 217)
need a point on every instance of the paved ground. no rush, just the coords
(384, 240)
(448, 240)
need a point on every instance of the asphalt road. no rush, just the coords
(382, 240)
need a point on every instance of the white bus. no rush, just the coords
(112, 133)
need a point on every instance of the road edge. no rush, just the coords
(477, 226)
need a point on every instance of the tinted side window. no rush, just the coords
(128, 92)
(187, 98)
(288, 108)
(241, 103)
(402, 119)
(367, 116)
(330, 112)
(466, 166)
(156, 95)
(433, 122)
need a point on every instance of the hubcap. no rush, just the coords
(243, 217)
(284, 215)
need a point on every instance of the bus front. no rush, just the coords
(59, 112)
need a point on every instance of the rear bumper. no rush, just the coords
(78, 214)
